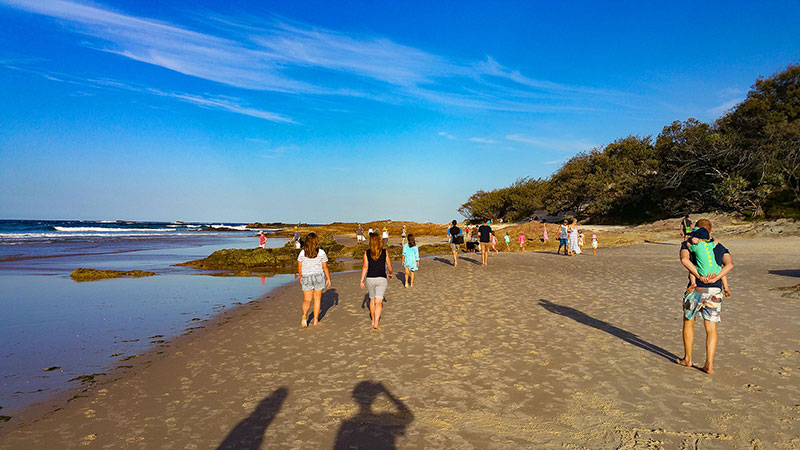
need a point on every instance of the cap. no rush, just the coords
(700, 233)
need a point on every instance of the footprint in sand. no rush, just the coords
(753, 387)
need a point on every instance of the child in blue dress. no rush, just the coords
(410, 260)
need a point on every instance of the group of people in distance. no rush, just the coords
(707, 261)
(570, 238)
(312, 269)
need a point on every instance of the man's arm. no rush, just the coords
(687, 262)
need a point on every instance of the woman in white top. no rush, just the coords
(572, 239)
(312, 268)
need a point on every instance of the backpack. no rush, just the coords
(458, 237)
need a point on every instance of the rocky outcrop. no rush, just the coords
(83, 274)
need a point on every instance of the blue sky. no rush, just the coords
(320, 111)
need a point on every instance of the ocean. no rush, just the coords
(54, 329)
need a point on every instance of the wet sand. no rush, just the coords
(534, 351)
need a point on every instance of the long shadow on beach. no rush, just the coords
(443, 261)
(330, 298)
(626, 336)
(369, 429)
(785, 272)
(249, 433)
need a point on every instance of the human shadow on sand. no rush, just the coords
(443, 261)
(785, 272)
(249, 433)
(329, 299)
(626, 336)
(369, 429)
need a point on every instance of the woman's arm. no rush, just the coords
(327, 275)
(389, 265)
(364, 271)
(299, 269)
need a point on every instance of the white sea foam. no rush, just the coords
(232, 227)
(110, 230)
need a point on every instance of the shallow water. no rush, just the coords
(48, 320)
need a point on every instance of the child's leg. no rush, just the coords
(412, 278)
(405, 281)
(711, 345)
(688, 340)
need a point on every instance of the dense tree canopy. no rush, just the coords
(747, 161)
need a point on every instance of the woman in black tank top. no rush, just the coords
(374, 277)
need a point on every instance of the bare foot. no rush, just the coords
(376, 328)
(316, 322)
(406, 285)
(708, 369)
(304, 323)
(684, 362)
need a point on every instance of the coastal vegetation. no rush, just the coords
(83, 274)
(747, 161)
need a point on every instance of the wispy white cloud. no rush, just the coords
(561, 145)
(278, 55)
(725, 107)
(270, 151)
(446, 134)
(483, 140)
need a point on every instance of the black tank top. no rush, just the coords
(376, 268)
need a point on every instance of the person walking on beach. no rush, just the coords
(374, 277)
(456, 238)
(572, 238)
(312, 268)
(594, 245)
(686, 227)
(494, 243)
(485, 237)
(410, 260)
(385, 237)
(403, 235)
(705, 296)
(508, 242)
(562, 238)
(522, 240)
(262, 239)
(359, 234)
(544, 233)
(296, 238)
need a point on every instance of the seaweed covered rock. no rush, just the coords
(261, 260)
(95, 274)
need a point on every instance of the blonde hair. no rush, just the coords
(311, 245)
(375, 246)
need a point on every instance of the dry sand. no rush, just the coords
(535, 351)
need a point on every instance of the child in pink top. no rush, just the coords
(522, 240)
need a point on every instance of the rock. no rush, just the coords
(95, 274)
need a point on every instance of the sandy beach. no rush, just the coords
(534, 351)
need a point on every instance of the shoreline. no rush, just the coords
(412, 383)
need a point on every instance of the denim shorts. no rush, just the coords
(313, 282)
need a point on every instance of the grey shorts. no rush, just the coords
(313, 282)
(454, 247)
(376, 286)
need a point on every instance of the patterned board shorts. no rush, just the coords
(706, 301)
